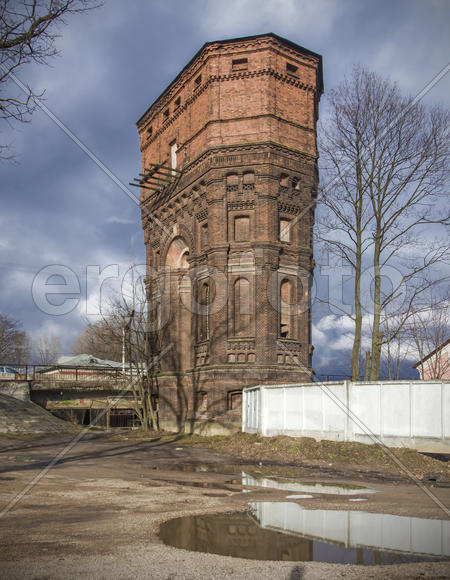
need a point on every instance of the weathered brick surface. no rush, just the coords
(246, 145)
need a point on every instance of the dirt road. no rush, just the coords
(96, 513)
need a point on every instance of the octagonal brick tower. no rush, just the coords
(229, 180)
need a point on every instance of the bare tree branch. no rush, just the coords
(28, 30)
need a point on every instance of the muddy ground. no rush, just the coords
(96, 513)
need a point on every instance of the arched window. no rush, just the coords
(205, 299)
(286, 300)
(177, 254)
(242, 307)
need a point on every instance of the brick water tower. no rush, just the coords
(228, 187)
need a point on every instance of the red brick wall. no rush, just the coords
(258, 123)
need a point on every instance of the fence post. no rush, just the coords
(244, 410)
(262, 421)
(347, 387)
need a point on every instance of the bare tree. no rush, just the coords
(100, 339)
(28, 29)
(122, 334)
(429, 329)
(128, 320)
(48, 349)
(15, 344)
(385, 156)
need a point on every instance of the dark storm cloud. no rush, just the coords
(59, 207)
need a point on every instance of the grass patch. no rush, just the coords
(307, 451)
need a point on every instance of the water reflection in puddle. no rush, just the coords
(236, 469)
(282, 478)
(304, 487)
(286, 531)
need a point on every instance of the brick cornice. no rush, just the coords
(205, 162)
(228, 47)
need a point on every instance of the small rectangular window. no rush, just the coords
(150, 131)
(239, 63)
(177, 102)
(198, 81)
(166, 113)
(284, 180)
(291, 69)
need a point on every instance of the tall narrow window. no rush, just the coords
(242, 307)
(173, 155)
(285, 230)
(204, 314)
(204, 235)
(286, 297)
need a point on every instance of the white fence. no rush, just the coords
(401, 413)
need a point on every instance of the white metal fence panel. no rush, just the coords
(426, 415)
(395, 413)
(406, 413)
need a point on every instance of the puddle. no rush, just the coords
(286, 531)
(304, 487)
(205, 484)
(279, 477)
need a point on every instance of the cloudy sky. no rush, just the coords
(59, 207)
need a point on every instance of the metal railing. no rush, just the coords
(67, 373)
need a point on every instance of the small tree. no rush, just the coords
(14, 342)
(129, 323)
(122, 335)
(48, 349)
(385, 156)
(100, 339)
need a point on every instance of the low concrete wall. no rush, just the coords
(206, 427)
(20, 391)
(411, 414)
